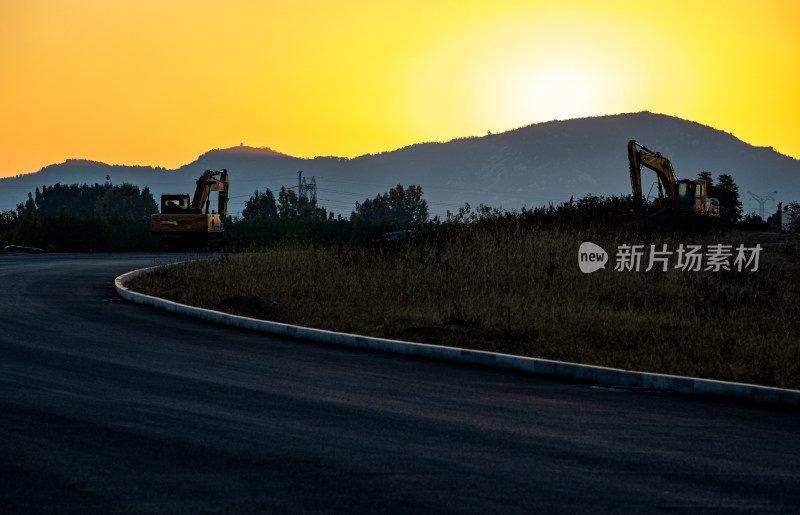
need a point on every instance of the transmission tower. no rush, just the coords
(306, 189)
(762, 199)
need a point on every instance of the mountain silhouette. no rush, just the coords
(530, 166)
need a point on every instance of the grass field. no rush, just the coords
(515, 288)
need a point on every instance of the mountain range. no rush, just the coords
(529, 166)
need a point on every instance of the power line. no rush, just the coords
(762, 200)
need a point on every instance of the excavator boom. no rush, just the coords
(207, 183)
(654, 161)
(636, 169)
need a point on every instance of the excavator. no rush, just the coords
(673, 194)
(182, 223)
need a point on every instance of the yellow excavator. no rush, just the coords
(672, 193)
(182, 223)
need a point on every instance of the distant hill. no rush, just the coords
(529, 166)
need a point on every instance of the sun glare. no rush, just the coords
(556, 93)
(507, 72)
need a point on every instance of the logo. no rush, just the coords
(591, 257)
(691, 258)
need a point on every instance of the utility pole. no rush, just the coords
(762, 200)
(306, 189)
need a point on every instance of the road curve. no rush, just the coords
(108, 406)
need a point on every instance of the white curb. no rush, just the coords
(588, 373)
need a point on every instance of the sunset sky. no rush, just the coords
(158, 82)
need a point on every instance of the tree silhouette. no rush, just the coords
(261, 206)
(8, 219)
(727, 192)
(291, 206)
(793, 209)
(125, 201)
(398, 205)
(706, 176)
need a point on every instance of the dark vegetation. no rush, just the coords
(294, 219)
(510, 283)
(81, 218)
(727, 192)
(106, 217)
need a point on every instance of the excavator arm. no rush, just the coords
(223, 195)
(654, 161)
(207, 183)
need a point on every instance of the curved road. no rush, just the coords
(108, 406)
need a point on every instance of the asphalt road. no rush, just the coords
(108, 406)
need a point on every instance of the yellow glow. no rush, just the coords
(155, 82)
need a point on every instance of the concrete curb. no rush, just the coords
(588, 373)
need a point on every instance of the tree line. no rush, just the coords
(106, 217)
(81, 218)
(399, 205)
(293, 218)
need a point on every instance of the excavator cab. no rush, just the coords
(175, 204)
(689, 192)
(692, 194)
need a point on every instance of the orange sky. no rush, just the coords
(158, 82)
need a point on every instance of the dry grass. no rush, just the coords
(518, 290)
